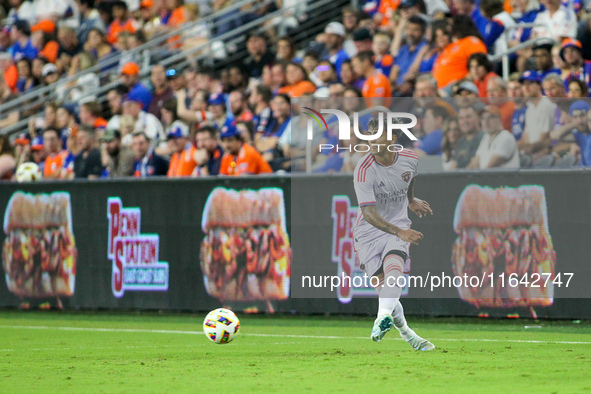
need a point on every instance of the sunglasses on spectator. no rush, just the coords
(579, 112)
(322, 68)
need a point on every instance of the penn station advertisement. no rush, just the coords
(504, 243)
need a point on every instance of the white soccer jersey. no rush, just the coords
(385, 187)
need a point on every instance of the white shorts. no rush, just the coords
(371, 256)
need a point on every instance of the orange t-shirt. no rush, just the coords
(117, 27)
(11, 77)
(183, 164)
(177, 17)
(378, 85)
(298, 89)
(387, 8)
(50, 51)
(481, 85)
(452, 64)
(248, 161)
(56, 164)
(507, 114)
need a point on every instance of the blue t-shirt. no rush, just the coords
(518, 122)
(431, 143)
(528, 17)
(405, 58)
(490, 29)
(584, 142)
(427, 65)
(338, 59)
(18, 52)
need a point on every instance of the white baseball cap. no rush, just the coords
(335, 28)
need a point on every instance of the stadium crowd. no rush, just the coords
(237, 120)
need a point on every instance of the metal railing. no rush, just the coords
(524, 45)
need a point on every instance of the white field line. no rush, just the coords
(139, 330)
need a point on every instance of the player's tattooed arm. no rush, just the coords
(372, 217)
(419, 207)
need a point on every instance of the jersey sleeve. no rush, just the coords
(363, 179)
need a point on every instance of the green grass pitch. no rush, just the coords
(147, 352)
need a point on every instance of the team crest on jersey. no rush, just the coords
(406, 176)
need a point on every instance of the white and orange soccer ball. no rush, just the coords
(221, 325)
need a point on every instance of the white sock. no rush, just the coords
(390, 293)
(399, 319)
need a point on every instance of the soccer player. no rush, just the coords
(384, 185)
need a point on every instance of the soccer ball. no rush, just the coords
(28, 172)
(221, 325)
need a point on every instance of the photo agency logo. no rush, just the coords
(342, 122)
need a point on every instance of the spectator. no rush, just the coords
(286, 49)
(50, 74)
(89, 19)
(326, 76)
(236, 78)
(376, 84)
(69, 47)
(260, 100)
(451, 136)
(582, 134)
(217, 109)
(88, 162)
(362, 39)
(240, 158)
(267, 142)
(298, 83)
(97, 46)
(381, 49)
(440, 39)
(91, 114)
(66, 123)
(120, 159)
(277, 76)
(539, 120)
(430, 143)
(404, 58)
(349, 77)
(131, 78)
(144, 122)
(183, 162)
(259, 56)
(553, 86)
(524, 11)
(9, 71)
(121, 22)
(543, 59)
(162, 90)
(22, 149)
(335, 36)
(577, 89)
(210, 153)
(5, 96)
(452, 64)
(560, 22)
(20, 34)
(498, 20)
(43, 38)
(571, 53)
(147, 162)
(515, 92)
(466, 95)
(115, 98)
(25, 81)
(497, 147)
(38, 152)
(238, 107)
(426, 95)
(309, 63)
(496, 90)
(468, 121)
(58, 162)
(481, 71)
